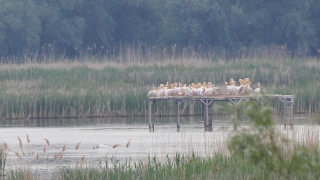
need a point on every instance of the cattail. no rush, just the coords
(28, 140)
(37, 156)
(78, 145)
(128, 143)
(82, 159)
(217, 168)
(22, 152)
(116, 145)
(47, 141)
(5, 146)
(20, 143)
(17, 153)
(61, 153)
(64, 148)
(183, 175)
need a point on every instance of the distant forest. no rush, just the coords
(73, 27)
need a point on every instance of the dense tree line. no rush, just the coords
(70, 27)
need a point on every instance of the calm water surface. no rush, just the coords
(109, 131)
(88, 133)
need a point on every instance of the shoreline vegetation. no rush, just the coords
(117, 85)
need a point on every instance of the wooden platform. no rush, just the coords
(221, 97)
(287, 101)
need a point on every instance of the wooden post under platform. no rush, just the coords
(207, 123)
(287, 100)
(151, 125)
(178, 102)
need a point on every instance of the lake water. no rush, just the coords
(111, 131)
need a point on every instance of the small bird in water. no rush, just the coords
(99, 146)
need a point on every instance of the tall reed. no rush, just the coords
(117, 84)
(3, 158)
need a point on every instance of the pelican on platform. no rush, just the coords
(231, 89)
(258, 90)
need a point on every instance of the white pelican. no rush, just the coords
(247, 80)
(153, 93)
(177, 91)
(231, 89)
(210, 91)
(198, 91)
(232, 82)
(168, 92)
(246, 89)
(161, 91)
(241, 81)
(258, 90)
(187, 90)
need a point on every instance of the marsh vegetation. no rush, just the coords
(118, 85)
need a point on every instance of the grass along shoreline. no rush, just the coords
(115, 88)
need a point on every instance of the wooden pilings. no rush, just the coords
(287, 112)
(207, 124)
(178, 102)
(151, 125)
(287, 100)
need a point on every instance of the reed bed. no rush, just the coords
(117, 85)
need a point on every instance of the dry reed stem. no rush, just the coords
(78, 145)
(47, 141)
(61, 153)
(44, 149)
(37, 156)
(22, 152)
(128, 143)
(17, 153)
(28, 140)
(64, 148)
(116, 145)
(20, 143)
(5, 146)
(58, 155)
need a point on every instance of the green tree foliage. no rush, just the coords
(263, 144)
(99, 24)
(135, 21)
(62, 25)
(76, 26)
(19, 27)
(315, 18)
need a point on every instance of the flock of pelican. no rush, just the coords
(204, 89)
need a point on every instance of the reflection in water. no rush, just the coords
(66, 134)
(81, 122)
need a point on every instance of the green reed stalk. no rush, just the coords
(117, 85)
(3, 159)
